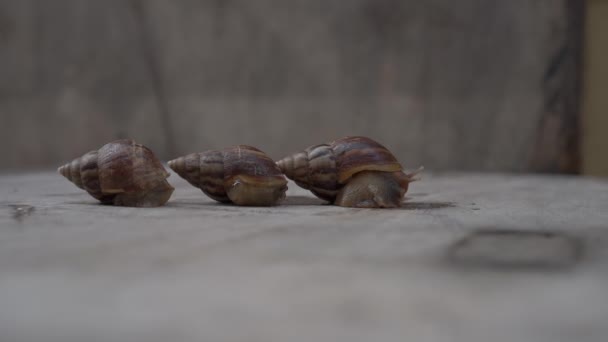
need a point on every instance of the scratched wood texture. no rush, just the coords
(74, 270)
(472, 85)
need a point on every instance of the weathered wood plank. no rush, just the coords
(73, 270)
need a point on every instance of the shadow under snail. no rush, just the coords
(121, 173)
(241, 174)
(350, 172)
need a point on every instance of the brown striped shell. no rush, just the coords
(122, 173)
(241, 174)
(351, 171)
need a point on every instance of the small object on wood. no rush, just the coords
(121, 173)
(241, 174)
(350, 172)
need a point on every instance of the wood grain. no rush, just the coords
(470, 257)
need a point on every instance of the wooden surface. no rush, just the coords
(472, 85)
(74, 270)
(595, 118)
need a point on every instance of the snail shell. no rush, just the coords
(122, 173)
(241, 174)
(350, 172)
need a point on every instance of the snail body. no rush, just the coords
(121, 173)
(241, 174)
(350, 172)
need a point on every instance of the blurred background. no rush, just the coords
(476, 85)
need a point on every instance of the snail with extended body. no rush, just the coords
(242, 175)
(350, 172)
(122, 173)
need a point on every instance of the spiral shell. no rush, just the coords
(122, 173)
(241, 174)
(327, 169)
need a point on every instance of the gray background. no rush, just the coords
(472, 85)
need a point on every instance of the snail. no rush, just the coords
(121, 173)
(350, 172)
(241, 174)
